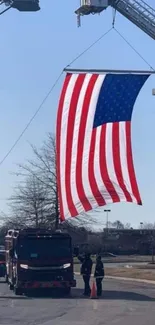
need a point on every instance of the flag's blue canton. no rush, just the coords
(117, 97)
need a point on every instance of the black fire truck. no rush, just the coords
(39, 259)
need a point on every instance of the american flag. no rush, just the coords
(93, 141)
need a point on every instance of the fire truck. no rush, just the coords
(2, 262)
(39, 259)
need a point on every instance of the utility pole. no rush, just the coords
(107, 221)
(153, 236)
(57, 210)
(152, 247)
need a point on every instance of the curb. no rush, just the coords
(124, 279)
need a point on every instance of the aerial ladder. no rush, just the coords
(137, 11)
(21, 5)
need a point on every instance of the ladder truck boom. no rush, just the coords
(137, 11)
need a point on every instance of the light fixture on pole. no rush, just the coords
(107, 221)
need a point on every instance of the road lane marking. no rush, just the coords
(95, 305)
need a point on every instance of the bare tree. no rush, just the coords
(30, 204)
(117, 225)
(127, 225)
(37, 199)
(148, 225)
(42, 169)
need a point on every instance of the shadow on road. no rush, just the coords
(116, 295)
(14, 297)
(125, 295)
(77, 294)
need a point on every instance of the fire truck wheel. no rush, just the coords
(18, 291)
(67, 291)
(11, 286)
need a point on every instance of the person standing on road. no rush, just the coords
(99, 275)
(86, 269)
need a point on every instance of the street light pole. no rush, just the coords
(153, 92)
(107, 221)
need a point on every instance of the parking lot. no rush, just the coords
(122, 303)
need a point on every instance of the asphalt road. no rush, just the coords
(123, 303)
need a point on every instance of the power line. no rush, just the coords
(48, 94)
(89, 47)
(56, 81)
(134, 49)
(31, 120)
(2, 12)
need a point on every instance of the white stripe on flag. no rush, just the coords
(123, 159)
(110, 163)
(63, 138)
(74, 192)
(87, 140)
(97, 168)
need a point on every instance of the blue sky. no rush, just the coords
(34, 49)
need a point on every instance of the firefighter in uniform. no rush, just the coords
(99, 275)
(86, 269)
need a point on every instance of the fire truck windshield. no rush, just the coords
(39, 247)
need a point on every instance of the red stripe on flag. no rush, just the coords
(130, 164)
(103, 167)
(58, 140)
(69, 141)
(79, 181)
(93, 184)
(117, 161)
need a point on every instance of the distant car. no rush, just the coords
(107, 254)
(2, 264)
(112, 255)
